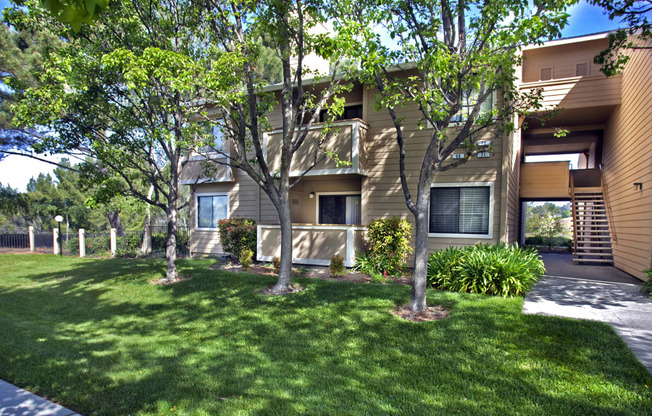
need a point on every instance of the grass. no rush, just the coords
(95, 336)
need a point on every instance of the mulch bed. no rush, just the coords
(311, 272)
(163, 281)
(432, 313)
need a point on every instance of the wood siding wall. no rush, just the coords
(511, 173)
(627, 158)
(545, 180)
(562, 58)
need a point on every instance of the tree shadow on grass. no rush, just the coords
(100, 339)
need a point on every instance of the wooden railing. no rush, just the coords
(572, 193)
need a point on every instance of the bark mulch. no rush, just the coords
(432, 313)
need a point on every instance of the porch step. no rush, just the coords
(592, 261)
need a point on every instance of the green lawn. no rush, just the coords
(95, 336)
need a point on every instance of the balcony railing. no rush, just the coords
(312, 244)
(346, 140)
(577, 92)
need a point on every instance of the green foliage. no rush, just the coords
(98, 244)
(389, 246)
(236, 235)
(647, 285)
(337, 265)
(72, 246)
(276, 265)
(75, 12)
(159, 242)
(546, 221)
(539, 240)
(246, 258)
(365, 263)
(128, 245)
(502, 269)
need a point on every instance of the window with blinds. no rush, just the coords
(463, 210)
(340, 209)
(545, 73)
(582, 69)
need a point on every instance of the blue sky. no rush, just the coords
(584, 19)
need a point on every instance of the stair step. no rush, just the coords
(593, 261)
(600, 251)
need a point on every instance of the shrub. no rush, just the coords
(237, 234)
(540, 240)
(73, 246)
(647, 285)
(337, 265)
(128, 245)
(504, 270)
(159, 242)
(389, 245)
(365, 264)
(276, 264)
(246, 258)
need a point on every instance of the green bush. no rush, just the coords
(98, 245)
(128, 245)
(73, 246)
(237, 234)
(337, 265)
(540, 240)
(365, 264)
(246, 258)
(159, 243)
(503, 270)
(389, 246)
(647, 285)
(276, 264)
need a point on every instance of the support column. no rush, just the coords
(32, 242)
(82, 243)
(349, 260)
(114, 240)
(55, 242)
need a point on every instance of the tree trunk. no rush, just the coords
(171, 243)
(285, 269)
(114, 220)
(420, 276)
(146, 247)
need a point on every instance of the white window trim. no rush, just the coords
(490, 232)
(197, 195)
(317, 194)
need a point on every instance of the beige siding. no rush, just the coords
(562, 58)
(627, 158)
(203, 169)
(382, 191)
(545, 180)
(319, 244)
(511, 171)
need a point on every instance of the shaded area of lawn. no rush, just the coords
(97, 337)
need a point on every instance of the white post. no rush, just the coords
(349, 260)
(55, 241)
(114, 240)
(32, 243)
(82, 243)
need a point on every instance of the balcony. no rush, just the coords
(545, 180)
(578, 92)
(312, 244)
(347, 140)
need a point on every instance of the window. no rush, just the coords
(210, 209)
(340, 209)
(350, 112)
(460, 210)
(468, 102)
(216, 130)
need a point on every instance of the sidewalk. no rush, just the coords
(621, 305)
(18, 402)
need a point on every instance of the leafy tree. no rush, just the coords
(452, 58)
(287, 28)
(544, 220)
(634, 13)
(22, 53)
(127, 93)
(75, 12)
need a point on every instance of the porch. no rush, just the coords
(312, 244)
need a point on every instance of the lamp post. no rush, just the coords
(58, 219)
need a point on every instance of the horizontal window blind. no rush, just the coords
(463, 210)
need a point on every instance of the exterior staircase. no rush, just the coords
(591, 226)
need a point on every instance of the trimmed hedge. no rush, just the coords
(503, 270)
(389, 247)
(540, 240)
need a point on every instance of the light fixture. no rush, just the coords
(58, 219)
(638, 185)
(311, 195)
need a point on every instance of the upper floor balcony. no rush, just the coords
(346, 139)
(577, 92)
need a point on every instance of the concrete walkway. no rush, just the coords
(18, 402)
(605, 296)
